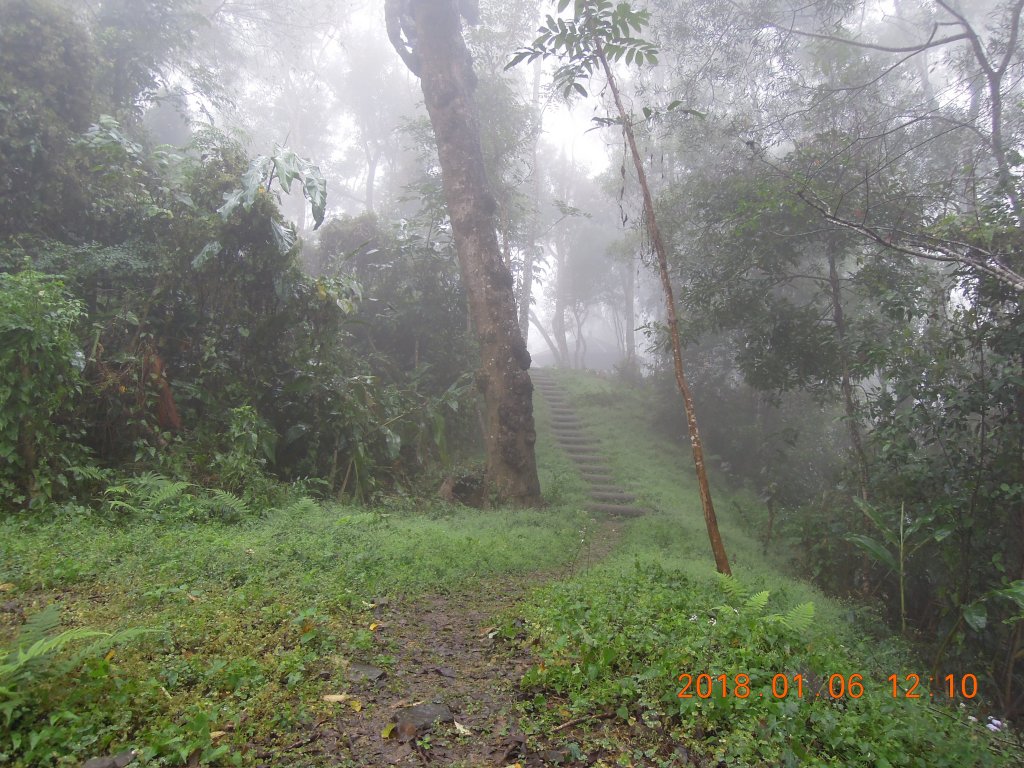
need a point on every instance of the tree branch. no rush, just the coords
(923, 247)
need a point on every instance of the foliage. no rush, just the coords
(154, 496)
(618, 641)
(48, 68)
(257, 614)
(287, 167)
(31, 658)
(596, 26)
(40, 381)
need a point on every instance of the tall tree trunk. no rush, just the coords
(435, 51)
(839, 321)
(555, 354)
(526, 294)
(629, 330)
(558, 331)
(372, 160)
(710, 519)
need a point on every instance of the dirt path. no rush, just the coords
(447, 694)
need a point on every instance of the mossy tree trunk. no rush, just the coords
(428, 36)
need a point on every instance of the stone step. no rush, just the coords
(619, 510)
(592, 476)
(595, 469)
(602, 487)
(583, 453)
(580, 439)
(620, 497)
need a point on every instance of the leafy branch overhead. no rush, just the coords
(598, 35)
(596, 26)
(287, 167)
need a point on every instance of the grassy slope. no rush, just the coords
(253, 613)
(616, 639)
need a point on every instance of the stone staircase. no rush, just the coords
(606, 497)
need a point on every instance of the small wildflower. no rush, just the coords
(693, 617)
(712, 621)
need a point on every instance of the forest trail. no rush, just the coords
(448, 695)
(607, 498)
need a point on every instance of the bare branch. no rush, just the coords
(922, 246)
(931, 42)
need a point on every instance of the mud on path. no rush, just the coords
(447, 694)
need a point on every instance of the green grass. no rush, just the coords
(249, 614)
(616, 639)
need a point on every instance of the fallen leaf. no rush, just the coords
(386, 733)
(487, 631)
(461, 729)
(218, 734)
(335, 698)
(110, 655)
(357, 706)
(6, 587)
(374, 626)
(192, 597)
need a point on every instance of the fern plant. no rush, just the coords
(797, 619)
(146, 494)
(34, 654)
(153, 495)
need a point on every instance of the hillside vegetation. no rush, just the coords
(253, 621)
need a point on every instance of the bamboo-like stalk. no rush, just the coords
(717, 547)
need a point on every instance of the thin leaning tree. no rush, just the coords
(598, 34)
(427, 34)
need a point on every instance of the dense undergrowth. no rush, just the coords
(229, 621)
(250, 618)
(613, 643)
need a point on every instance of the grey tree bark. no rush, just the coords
(428, 36)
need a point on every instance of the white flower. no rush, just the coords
(972, 718)
(693, 617)
(712, 621)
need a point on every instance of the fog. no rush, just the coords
(425, 296)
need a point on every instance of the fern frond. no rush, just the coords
(732, 587)
(148, 483)
(171, 491)
(38, 626)
(104, 642)
(25, 658)
(799, 618)
(221, 501)
(759, 601)
(300, 507)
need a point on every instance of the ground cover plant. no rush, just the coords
(226, 628)
(612, 644)
(244, 619)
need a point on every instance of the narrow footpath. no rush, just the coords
(606, 497)
(440, 688)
